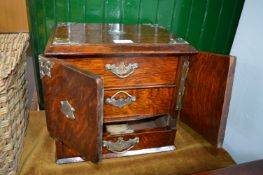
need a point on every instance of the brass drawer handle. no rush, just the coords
(67, 110)
(120, 146)
(120, 102)
(122, 71)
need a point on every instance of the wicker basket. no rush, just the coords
(13, 100)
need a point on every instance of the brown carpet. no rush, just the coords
(193, 154)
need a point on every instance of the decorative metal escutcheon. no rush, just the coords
(120, 146)
(45, 66)
(67, 110)
(120, 102)
(122, 71)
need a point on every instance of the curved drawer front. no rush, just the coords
(143, 141)
(120, 104)
(131, 71)
(137, 141)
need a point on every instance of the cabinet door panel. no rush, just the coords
(73, 103)
(207, 95)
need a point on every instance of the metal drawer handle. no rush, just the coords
(120, 146)
(122, 71)
(67, 110)
(120, 102)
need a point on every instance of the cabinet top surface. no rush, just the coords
(113, 38)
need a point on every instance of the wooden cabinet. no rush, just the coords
(116, 90)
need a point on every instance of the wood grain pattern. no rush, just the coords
(119, 48)
(64, 151)
(149, 102)
(153, 138)
(249, 168)
(78, 88)
(207, 95)
(152, 69)
(13, 16)
(83, 39)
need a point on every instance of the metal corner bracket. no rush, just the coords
(45, 66)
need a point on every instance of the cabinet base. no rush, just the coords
(128, 153)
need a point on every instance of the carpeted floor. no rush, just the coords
(193, 154)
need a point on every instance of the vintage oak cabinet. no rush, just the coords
(115, 90)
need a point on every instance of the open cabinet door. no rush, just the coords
(207, 95)
(74, 106)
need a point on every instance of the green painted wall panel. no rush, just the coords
(131, 10)
(198, 9)
(41, 25)
(33, 23)
(49, 16)
(181, 16)
(211, 17)
(209, 25)
(113, 11)
(94, 11)
(62, 10)
(221, 29)
(148, 11)
(232, 27)
(77, 10)
(165, 13)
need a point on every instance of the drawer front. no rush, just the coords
(150, 139)
(131, 71)
(136, 141)
(122, 104)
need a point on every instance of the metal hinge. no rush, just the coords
(182, 85)
(45, 66)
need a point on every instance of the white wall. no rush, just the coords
(244, 132)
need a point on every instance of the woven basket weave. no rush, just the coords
(13, 100)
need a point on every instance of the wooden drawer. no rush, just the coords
(147, 136)
(146, 102)
(142, 135)
(152, 141)
(148, 70)
(143, 141)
